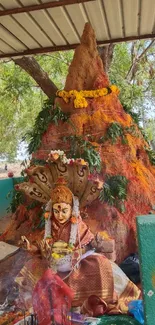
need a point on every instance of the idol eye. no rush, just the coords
(55, 211)
(64, 211)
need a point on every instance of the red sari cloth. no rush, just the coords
(52, 300)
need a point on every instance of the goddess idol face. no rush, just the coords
(62, 212)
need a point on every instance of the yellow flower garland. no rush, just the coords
(80, 96)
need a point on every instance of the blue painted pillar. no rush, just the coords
(146, 242)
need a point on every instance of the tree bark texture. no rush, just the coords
(32, 67)
(106, 54)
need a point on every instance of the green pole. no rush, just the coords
(146, 243)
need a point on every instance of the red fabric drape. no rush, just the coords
(52, 300)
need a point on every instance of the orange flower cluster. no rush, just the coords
(46, 215)
(73, 219)
(142, 173)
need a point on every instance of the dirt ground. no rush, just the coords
(4, 223)
(11, 167)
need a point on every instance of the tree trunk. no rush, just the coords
(106, 54)
(32, 67)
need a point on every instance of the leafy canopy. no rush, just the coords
(21, 99)
(133, 70)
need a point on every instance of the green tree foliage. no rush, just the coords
(21, 99)
(114, 191)
(150, 131)
(47, 115)
(56, 65)
(133, 70)
(80, 148)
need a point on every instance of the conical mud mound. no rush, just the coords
(122, 148)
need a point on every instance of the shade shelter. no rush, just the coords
(33, 27)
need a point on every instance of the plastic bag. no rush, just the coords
(137, 310)
(91, 321)
(130, 266)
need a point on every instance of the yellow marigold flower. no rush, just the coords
(80, 96)
(62, 93)
(82, 162)
(55, 256)
(91, 94)
(115, 89)
(104, 234)
(66, 99)
(103, 92)
(71, 93)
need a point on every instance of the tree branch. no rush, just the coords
(146, 49)
(32, 67)
(137, 59)
(133, 51)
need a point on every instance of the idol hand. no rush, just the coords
(26, 241)
(28, 246)
(45, 249)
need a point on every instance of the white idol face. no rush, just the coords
(62, 212)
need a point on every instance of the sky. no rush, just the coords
(22, 152)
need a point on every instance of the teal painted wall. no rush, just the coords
(6, 185)
(146, 243)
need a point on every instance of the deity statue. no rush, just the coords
(71, 250)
